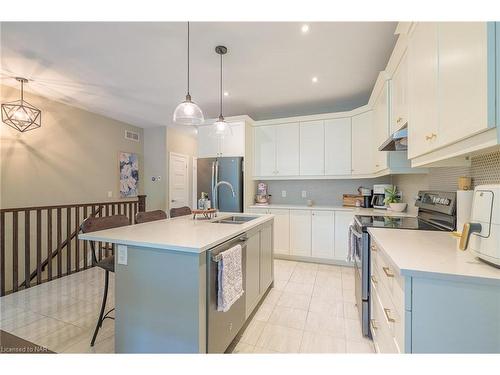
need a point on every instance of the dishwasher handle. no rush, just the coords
(217, 255)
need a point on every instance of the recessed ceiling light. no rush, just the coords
(305, 28)
(226, 93)
(314, 79)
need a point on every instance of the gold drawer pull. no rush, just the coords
(388, 272)
(429, 137)
(373, 323)
(373, 247)
(387, 313)
(374, 280)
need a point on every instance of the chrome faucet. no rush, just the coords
(216, 192)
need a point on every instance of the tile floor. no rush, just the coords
(310, 310)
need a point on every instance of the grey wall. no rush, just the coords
(322, 192)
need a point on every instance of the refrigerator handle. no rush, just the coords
(212, 183)
(216, 193)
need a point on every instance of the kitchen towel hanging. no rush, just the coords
(229, 278)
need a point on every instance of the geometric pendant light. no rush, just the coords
(222, 128)
(188, 112)
(21, 115)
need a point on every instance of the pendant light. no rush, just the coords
(21, 115)
(221, 126)
(188, 112)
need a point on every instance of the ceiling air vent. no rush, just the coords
(131, 136)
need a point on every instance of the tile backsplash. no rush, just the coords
(484, 169)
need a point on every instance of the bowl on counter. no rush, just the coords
(398, 207)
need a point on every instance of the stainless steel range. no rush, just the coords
(437, 211)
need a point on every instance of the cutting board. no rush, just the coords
(349, 200)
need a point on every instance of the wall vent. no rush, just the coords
(132, 136)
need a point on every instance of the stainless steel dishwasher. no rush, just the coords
(222, 327)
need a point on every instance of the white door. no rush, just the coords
(281, 231)
(234, 143)
(208, 143)
(300, 232)
(178, 180)
(423, 89)
(312, 148)
(323, 234)
(463, 80)
(362, 144)
(342, 221)
(265, 151)
(338, 146)
(287, 150)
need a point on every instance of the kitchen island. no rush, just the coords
(430, 297)
(164, 283)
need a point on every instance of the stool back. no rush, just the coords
(145, 217)
(180, 211)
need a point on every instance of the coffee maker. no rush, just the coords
(379, 195)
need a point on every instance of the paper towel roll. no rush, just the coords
(464, 207)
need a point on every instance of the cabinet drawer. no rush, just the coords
(388, 275)
(381, 332)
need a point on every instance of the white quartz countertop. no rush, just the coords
(431, 254)
(355, 210)
(179, 234)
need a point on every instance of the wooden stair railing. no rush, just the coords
(60, 222)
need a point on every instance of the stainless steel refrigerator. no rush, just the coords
(213, 170)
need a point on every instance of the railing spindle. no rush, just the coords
(15, 249)
(77, 241)
(2, 254)
(49, 244)
(85, 248)
(68, 240)
(38, 247)
(59, 243)
(27, 248)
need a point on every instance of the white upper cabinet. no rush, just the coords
(287, 150)
(312, 148)
(463, 80)
(362, 144)
(338, 146)
(381, 128)
(399, 95)
(234, 143)
(323, 238)
(423, 89)
(210, 145)
(265, 151)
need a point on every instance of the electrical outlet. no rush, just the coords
(283, 193)
(110, 194)
(304, 194)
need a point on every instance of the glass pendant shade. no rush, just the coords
(21, 115)
(188, 113)
(221, 128)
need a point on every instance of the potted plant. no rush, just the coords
(393, 200)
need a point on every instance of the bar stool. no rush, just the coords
(180, 211)
(92, 224)
(144, 217)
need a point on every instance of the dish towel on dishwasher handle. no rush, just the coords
(229, 278)
(353, 243)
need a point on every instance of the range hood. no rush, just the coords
(398, 141)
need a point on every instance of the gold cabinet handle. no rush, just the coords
(373, 323)
(387, 272)
(374, 279)
(429, 137)
(373, 247)
(387, 313)
(399, 120)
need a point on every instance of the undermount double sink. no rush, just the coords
(235, 219)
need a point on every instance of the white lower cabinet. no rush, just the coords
(300, 232)
(342, 221)
(323, 239)
(281, 231)
(318, 234)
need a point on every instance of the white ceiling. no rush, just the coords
(136, 72)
